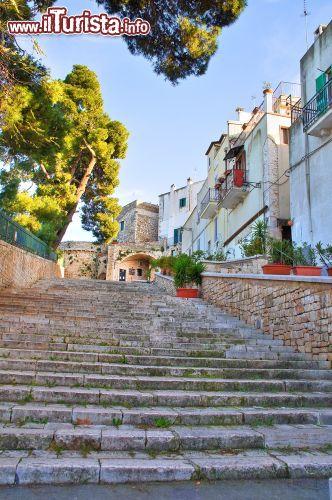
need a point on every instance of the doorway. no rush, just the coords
(122, 275)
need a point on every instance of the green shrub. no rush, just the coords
(280, 251)
(304, 255)
(187, 271)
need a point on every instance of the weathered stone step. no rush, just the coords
(96, 415)
(139, 356)
(175, 438)
(122, 467)
(84, 376)
(125, 369)
(118, 397)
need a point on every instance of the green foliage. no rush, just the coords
(60, 149)
(162, 422)
(280, 251)
(16, 65)
(198, 255)
(304, 255)
(257, 242)
(219, 256)
(187, 271)
(183, 34)
(324, 253)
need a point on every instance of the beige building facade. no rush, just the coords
(128, 257)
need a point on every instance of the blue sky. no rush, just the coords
(171, 127)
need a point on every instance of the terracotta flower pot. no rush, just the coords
(281, 269)
(307, 270)
(187, 293)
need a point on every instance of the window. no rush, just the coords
(183, 202)
(139, 272)
(177, 236)
(284, 135)
(122, 225)
(198, 244)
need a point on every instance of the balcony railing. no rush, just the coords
(234, 188)
(15, 234)
(317, 106)
(210, 201)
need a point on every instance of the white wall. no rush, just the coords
(311, 158)
(171, 216)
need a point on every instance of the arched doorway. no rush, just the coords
(134, 267)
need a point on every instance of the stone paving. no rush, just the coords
(106, 382)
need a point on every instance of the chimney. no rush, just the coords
(319, 30)
(268, 100)
(189, 181)
(239, 111)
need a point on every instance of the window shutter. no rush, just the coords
(320, 82)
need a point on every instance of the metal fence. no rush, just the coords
(317, 106)
(15, 234)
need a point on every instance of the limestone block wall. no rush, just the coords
(147, 225)
(297, 310)
(19, 268)
(80, 264)
(166, 283)
(248, 265)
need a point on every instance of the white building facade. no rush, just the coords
(311, 145)
(247, 178)
(175, 207)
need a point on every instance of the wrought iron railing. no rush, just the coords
(235, 179)
(212, 195)
(15, 234)
(296, 111)
(317, 106)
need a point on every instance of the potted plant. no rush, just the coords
(280, 257)
(162, 263)
(187, 273)
(305, 263)
(114, 242)
(325, 255)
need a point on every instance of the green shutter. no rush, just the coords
(320, 82)
(322, 94)
(176, 236)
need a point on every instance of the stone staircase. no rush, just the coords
(114, 382)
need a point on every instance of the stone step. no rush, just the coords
(59, 436)
(121, 366)
(84, 375)
(185, 398)
(97, 415)
(139, 356)
(40, 467)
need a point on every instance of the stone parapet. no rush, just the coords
(19, 268)
(166, 283)
(247, 265)
(297, 310)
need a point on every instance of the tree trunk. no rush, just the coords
(79, 192)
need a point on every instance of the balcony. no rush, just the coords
(317, 113)
(209, 204)
(234, 189)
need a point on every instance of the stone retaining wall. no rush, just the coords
(166, 283)
(19, 268)
(247, 265)
(297, 310)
